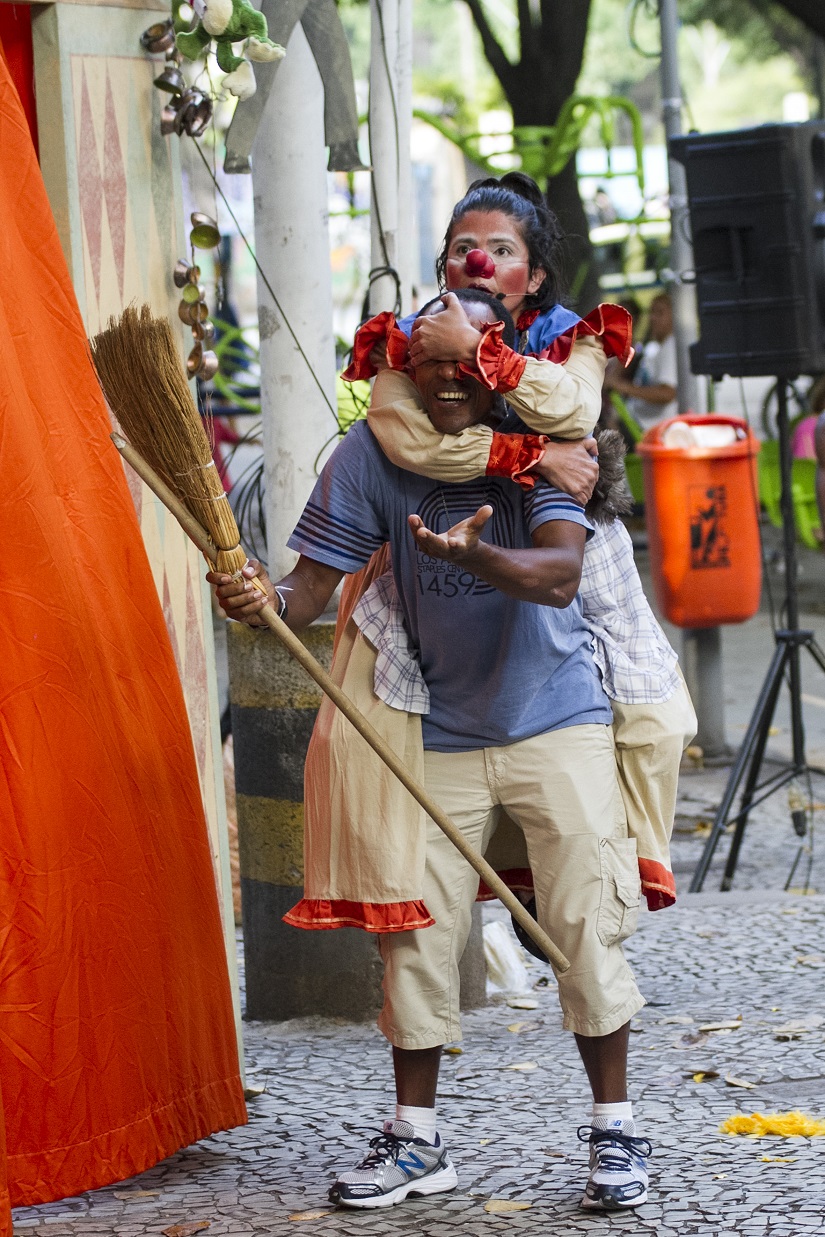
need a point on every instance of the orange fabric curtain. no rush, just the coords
(117, 1037)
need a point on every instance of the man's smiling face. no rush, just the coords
(454, 402)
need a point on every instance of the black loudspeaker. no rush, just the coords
(757, 212)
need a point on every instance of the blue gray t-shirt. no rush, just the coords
(498, 670)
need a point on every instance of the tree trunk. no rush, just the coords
(811, 12)
(552, 50)
(580, 268)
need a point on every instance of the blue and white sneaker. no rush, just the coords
(618, 1173)
(397, 1165)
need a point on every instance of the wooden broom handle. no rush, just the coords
(492, 880)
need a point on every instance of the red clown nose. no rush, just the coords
(479, 265)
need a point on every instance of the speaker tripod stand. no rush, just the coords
(785, 666)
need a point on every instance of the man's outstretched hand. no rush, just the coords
(459, 543)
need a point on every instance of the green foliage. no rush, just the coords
(762, 27)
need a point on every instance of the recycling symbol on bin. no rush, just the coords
(709, 541)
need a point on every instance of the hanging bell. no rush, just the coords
(159, 38)
(183, 271)
(194, 313)
(204, 331)
(193, 292)
(205, 233)
(195, 112)
(193, 361)
(169, 118)
(171, 80)
(208, 367)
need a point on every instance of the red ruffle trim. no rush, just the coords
(497, 367)
(526, 320)
(377, 330)
(520, 880)
(512, 454)
(320, 914)
(658, 884)
(611, 323)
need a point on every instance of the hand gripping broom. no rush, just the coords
(143, 380)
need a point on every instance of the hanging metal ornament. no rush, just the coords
(169, 119)
(171, 80)
(205, 233)
(201, 363)
(159, 39)
(194, 112)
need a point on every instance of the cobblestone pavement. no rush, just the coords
(511, 1101)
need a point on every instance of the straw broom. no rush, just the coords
(142, 377)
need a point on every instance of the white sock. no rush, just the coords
(421, 1119)
(612, 1114)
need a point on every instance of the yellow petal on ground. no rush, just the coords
(484, 1142)
(704, 1075)
(738, 1082)
(515, 1027)
(506, 1204)
(454, 1050)
(784, 1124)
(311, 1215)
(777, 1159)
(522, 1002)
(524, 1066)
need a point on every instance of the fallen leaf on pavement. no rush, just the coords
(186, 1230)
(454, 1050)
(738, 1082)
(125, 1195)
(523, 1065)
(518, 1027)
(720, 1176)
(691, 1041)
(735, 1024)
(794, 1030)
(310, 1215)
(484, 1141)
(811, 959)
(522, 1002)
(252, 1092)
(506, 1204)
(682, 1019)
(777, 1159)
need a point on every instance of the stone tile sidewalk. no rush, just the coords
(512, 1099)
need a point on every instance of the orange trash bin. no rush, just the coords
(702, 511)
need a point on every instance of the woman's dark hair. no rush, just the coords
(518, 196)
(477, 296)
(611, 497)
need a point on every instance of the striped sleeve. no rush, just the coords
(544, 502)
(342, 524)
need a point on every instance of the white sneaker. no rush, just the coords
(618, 1173)
(397, 1165)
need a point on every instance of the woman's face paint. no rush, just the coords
(498, 237)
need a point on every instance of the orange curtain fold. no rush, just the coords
(117, 1037)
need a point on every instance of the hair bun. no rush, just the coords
(524, 186)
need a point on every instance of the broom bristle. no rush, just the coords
(140, 371)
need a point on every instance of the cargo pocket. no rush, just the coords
(621, 890)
